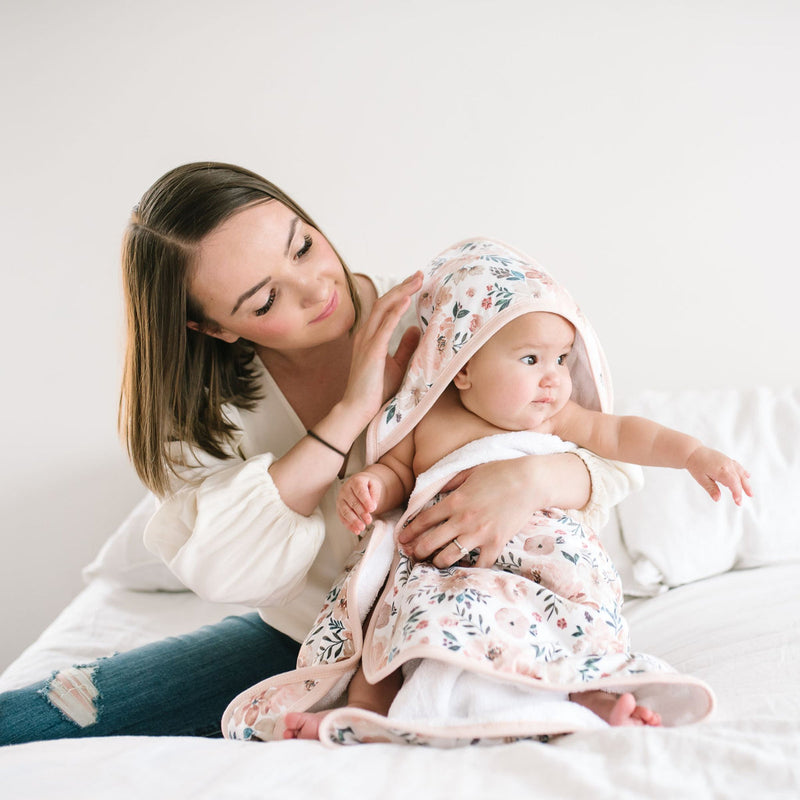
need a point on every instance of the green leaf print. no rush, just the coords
(411, 622)
(504, 260)
(459, 340)
(551, 602)
(589, 668)
(459, 311)
(333, 644)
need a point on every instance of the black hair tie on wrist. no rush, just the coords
(327, 444)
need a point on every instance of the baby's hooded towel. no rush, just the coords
(488, 655)
(471, 291)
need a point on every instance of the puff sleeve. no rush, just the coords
(612, 481)
(226, 533)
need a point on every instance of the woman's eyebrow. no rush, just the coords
(292, 229)
(250, 292)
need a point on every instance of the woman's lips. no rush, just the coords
(329, 308)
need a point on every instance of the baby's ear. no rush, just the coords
(462, 380)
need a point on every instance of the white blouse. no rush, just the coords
(227, 535)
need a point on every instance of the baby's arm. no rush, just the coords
(378, 488)
(642, 441)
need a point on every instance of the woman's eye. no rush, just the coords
(529, 360)
(305, 248)
(266, 307)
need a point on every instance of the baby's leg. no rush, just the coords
(375, 697)
(616, 709)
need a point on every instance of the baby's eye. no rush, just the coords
(529, 360)
(305, 248)
(563, 359)
(266, 307)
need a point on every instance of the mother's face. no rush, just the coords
(267, 276)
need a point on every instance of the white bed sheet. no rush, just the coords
(725, 760)
(739, 631)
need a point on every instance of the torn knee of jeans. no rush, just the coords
(73, 693)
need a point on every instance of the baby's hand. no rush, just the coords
(709, 467)
(358, 498)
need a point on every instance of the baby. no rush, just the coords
(519, 380)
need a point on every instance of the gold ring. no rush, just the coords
(464, 551)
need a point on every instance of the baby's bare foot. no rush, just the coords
(302, 725)
(617, 709)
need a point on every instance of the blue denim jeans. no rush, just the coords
(179, 686)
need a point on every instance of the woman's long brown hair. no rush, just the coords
(176, 380)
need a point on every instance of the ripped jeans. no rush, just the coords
(178, 686)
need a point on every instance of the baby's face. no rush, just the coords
(520, 378)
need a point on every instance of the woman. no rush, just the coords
(253, 365)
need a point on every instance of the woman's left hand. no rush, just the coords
(490, 503)
(374, 372)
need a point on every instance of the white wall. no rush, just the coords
(645, 152)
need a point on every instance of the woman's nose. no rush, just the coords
(310, 290)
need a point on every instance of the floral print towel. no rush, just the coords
(547, 616)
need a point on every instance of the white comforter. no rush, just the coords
(747, 759)
(738, 631)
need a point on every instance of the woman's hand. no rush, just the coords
(375, 374)
(489, 505)
(304, 474)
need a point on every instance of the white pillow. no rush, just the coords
(611, 537)
(673, 531)
(125, 561)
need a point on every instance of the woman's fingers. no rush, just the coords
(390, 307)
(396, 364)
(449, 550)
(457, 480)
(452, 553)
(373, 372)
(437, 527)
(424, 523)
(384, 320)
(484, 508)
(430, 542)
(408, 344)
(489, 553)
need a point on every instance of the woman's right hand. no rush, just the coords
(487, 506)
(304, 474)
(375, 374)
